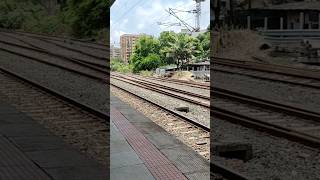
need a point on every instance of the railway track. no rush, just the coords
(80, 125)
(88, 58)
(223, 171)
(83, 43)
(62, 44)
(294, 123)
(91, 70)
(277, 73)
(302, 134)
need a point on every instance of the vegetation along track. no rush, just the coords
(80, 125)
(279, 73)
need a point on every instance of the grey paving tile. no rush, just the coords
(79, 173)
(23, 130)
(122, 159)
(135, 117)
(15, 118)
(163, 140)
(60, 158)
(119, 146)
(186, 160)
(116, 135)
(149, 127)
(38, 143)
(134, 172)
(198, 176)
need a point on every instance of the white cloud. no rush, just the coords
(141, 26)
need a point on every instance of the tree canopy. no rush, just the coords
(170, 48)
(79, 18)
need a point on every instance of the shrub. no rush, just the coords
(151, 62)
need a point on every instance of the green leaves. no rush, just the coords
(145, 55)
(79, 18)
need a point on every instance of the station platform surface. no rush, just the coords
(142, 150)
(28, 151)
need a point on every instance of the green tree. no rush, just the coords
(166, 38)
(204, 41)
(146, 51)
(86, 17)
(183, 49)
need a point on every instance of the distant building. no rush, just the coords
(195, 34)
(127, 42)
(115, 52)
(295, 15)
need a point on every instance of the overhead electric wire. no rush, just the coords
(117, 21)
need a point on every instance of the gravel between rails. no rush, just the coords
(274, 158)
(178, 86)
(197, 113)
(306, 98)
(82, 89)
(83, 131)
(48, 58)
(169, 91)
(62, 38)
(6, 38)
(169, 122)
(55, 49)
(92, 51)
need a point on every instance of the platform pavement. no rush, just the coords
(28, 151)
(130, 160)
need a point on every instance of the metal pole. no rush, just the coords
(319, 21)
(248, 22)
(281, 23)
(265, 23)
(301, 20)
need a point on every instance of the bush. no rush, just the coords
(120, 67)
(151, 62)
(146, 73)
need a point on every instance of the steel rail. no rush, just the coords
(59, 95)
(278, 69)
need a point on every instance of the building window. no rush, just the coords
(313, 17)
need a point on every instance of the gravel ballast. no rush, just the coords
(82, 89)
(306, 98)
(170, 123)
(197, 113)
(273, 157)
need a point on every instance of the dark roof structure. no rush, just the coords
(314, 5)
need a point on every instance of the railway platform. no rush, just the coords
(140, 149)
(28, 151)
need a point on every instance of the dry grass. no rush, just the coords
(242, 44)
(182, 75)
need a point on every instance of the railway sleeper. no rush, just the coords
(233, 150)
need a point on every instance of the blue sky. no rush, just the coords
(141, 16)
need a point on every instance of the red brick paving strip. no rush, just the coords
(159, 166)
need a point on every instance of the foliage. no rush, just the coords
(204, 40)
(87, 16)
(145, 55)
(170, 48)
(119, 66)
(146, 73)
(165, 39)
(79, 18)
(183, 49)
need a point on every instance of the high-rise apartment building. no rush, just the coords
(115, 52)
(127, 42)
